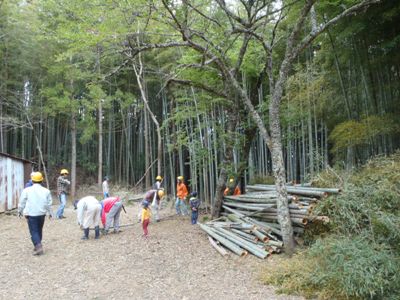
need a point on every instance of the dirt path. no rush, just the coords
(176, 262)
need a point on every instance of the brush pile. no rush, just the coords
(249, 223)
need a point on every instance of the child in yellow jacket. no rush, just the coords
(146, 215)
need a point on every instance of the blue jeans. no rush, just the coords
(35, 225)
(180, 207)
(106, 195)
(63, 201)
(195, 215)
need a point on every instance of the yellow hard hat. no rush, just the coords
(160, 193)
(231, 180)
(37, 177)
(64, 171)
(158, 177)
(180, 178)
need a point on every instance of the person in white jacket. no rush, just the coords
(35, 202)
(106, 189)
(88, 214)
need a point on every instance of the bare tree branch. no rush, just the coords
(145, 47)
(197, 85)
(116, 69)
(241, 54)
(230, 14)
(203, 15)
(350, 11)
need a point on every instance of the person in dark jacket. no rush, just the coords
(62, 191)
(194, 206)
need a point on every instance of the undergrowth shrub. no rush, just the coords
(358, 256)
(339, 268)
(354, 267)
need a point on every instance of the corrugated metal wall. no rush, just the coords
(11, 182)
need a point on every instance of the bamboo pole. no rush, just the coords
(264, 226)
(219, 249)
(250, 206)
(245, 235)
(261, 253)
(301, 221)
(291, 190)
(227, 243)
(275, 243)
(259, 235)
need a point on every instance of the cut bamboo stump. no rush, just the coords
(219, 249)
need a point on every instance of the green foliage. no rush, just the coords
(358, 257)
(355, 267)
(340, 268)
(355, 133)
(205, 218)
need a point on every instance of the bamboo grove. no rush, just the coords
(104, 86)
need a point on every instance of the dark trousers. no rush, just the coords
(195, 215)
(35, 225)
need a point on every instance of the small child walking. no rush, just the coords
(146, 214)
(194, 206)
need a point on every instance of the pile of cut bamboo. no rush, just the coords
(249, 221)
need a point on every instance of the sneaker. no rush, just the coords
(62, 217)
(117, 231)
(38, 250)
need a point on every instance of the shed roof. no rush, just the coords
(17, 158)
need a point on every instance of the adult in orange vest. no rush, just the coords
(232, 190)
(181, 194)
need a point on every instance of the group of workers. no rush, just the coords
(35, 203)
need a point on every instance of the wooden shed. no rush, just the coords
(14, 172)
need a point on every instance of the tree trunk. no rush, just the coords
(100, 116)
(73, 155)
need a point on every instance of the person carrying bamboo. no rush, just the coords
(157, 195)
(154, 197)
(181, 194)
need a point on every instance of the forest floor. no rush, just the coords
(175, 262)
